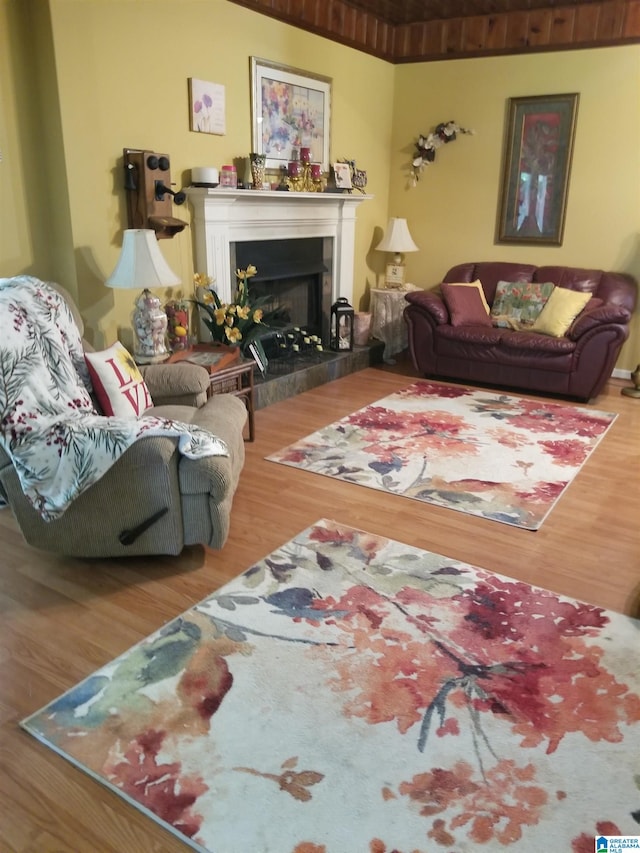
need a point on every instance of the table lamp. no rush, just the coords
(398, 240)
(141, 264)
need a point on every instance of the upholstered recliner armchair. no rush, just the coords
(157, 496)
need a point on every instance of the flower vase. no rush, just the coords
(257, 170)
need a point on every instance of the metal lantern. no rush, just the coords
(342, 325)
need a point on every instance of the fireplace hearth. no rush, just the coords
(290, 376)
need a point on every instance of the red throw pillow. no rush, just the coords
(465, 306)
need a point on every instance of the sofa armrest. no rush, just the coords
(176, 384)
(603, 315)
(431, 302)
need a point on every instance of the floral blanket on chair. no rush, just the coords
(49, 427)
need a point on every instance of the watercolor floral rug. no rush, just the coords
(481, 452)
(351, 694)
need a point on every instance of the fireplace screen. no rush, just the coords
(295, 275)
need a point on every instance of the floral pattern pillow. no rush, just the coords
(517, 304)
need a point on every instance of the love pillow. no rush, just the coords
(118, 384)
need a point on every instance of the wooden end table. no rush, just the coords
(229, 373)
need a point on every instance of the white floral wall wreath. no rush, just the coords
(428, 144)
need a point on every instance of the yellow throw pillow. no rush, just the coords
(562, 307)
(477, 284)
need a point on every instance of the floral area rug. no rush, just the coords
(351, 694)
(484, 453)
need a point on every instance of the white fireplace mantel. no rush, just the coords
(223, 217)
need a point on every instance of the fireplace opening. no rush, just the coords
(295, 277)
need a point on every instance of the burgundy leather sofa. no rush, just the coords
(576, 365)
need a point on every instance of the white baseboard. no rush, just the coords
(621, 374)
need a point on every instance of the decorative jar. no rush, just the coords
(229, 177)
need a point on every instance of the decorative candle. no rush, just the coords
(294, 169)
(316, 171)
(305, 155)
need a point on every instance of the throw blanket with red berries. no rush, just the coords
(49, 427)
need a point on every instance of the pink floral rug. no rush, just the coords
(480, 452)
(351, 694)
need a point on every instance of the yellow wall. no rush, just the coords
(121, 87)
(80, 81)
(452, 212)
(25, 246)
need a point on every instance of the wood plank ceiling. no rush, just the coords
(423, 30)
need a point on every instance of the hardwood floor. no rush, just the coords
(62, 618)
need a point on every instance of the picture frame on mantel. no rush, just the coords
(537, 165)
(290, 110)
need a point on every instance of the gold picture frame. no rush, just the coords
(290, 110)
(537, 164)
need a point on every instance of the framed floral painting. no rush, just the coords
(206, 107)
(537, 164)
(290, 110)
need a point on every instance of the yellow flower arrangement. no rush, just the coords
(236, 322)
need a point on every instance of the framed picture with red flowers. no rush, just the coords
(290, 111)
(537, 164)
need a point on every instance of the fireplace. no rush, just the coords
(294, 276)
(302, 244)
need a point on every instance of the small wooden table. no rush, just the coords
(237, 380)
(229, 373)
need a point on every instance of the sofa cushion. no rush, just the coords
(483, 335)
(117, 382)
(558, 314)
(517, 304)
(465, 305)
(490, 273)
(536, 344)
(477, 284)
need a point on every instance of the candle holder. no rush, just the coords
(304, 177)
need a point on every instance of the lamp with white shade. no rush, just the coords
(141, 264)
(397, 240)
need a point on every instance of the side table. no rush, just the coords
(236, 380)
(387, 322)
(228, 373)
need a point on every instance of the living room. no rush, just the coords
(80, 82)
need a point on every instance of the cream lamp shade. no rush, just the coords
(141, 264)
(397, 240)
